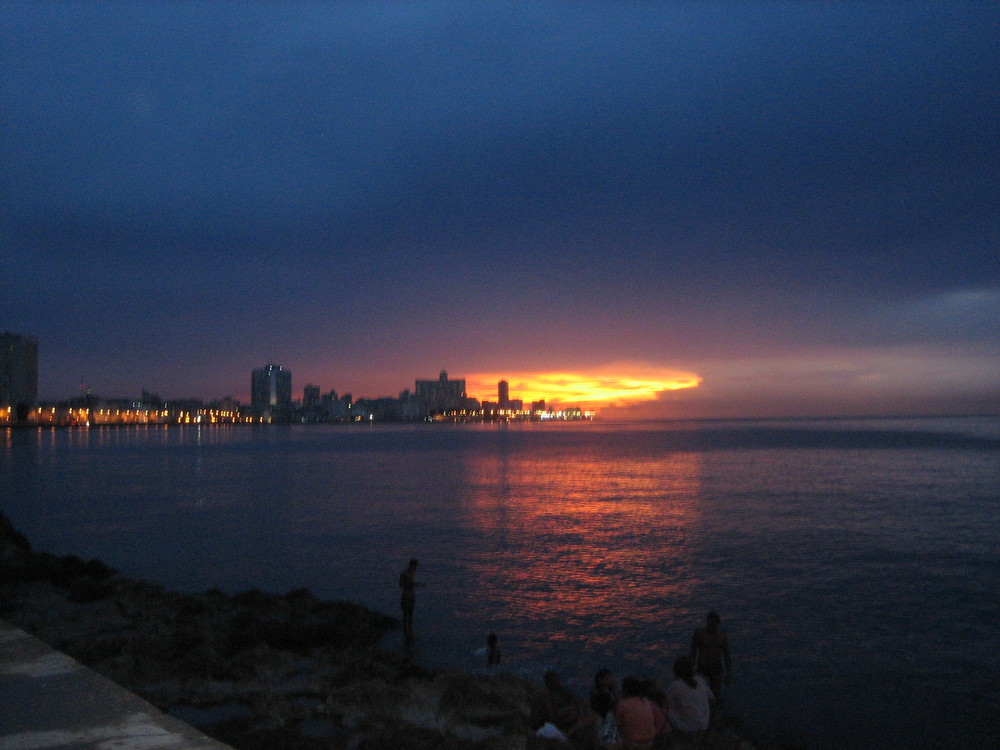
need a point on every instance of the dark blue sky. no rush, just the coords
(797, 203)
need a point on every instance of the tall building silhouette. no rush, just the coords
(503, 394)
(442, 394)
(310, 396)
(271, 390)
(18, 369)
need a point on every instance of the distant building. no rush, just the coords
(18, 370)
(442, 394)
(226, 404)
(410, 407)
(385, 409)
(334, 408)
(271, 391)
(149, 398)
(310, 396)
(503, 394)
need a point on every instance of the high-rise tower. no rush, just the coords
(271, 389)
(18, 369)
(503, 395)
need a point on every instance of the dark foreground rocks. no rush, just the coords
(259, 671)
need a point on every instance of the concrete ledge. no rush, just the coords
(48, 700)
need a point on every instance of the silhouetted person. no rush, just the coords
(710, 654)
(408, 598)
(492, 650)
(639, 721)
(557, 705)
(658, 697)
(604, 693)
(689, 699)
(604, 697)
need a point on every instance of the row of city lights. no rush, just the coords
(85, 417)
(82, 416)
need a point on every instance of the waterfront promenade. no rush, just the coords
(48, 700)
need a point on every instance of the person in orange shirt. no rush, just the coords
(639, 720)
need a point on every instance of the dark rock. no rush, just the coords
(11, 537)
(486, 701)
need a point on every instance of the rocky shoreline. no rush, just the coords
(258, 671)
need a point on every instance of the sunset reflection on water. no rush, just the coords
(568, 539)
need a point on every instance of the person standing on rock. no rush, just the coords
(492, 650)
(408, 598)
(710, 654)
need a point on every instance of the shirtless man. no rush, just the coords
(710, 654)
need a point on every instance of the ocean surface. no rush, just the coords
(855, 563)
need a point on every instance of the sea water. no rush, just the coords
(855, 564)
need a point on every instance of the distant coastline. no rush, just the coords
(83, 417)
(476, 418)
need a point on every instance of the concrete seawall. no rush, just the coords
(48, 700)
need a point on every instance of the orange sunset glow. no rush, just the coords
(611, 385)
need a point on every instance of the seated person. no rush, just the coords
(603, 699)
(557, 705)
(688, 698)
(639, 720)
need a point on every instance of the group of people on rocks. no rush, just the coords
(640, 714)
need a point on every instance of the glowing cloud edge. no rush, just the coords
(622, 384)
